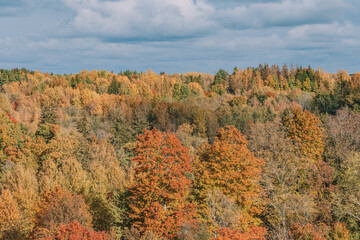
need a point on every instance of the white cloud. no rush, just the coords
(330, 31)
(142, 18)
(6, 42)
(178, 35)
(284, 13)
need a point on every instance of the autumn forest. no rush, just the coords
(267, 152)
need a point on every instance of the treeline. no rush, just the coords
(260, 153)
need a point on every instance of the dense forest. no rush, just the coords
(261, 153)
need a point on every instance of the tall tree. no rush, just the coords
(159, 194)
(230, 167)
(305, 129)
(280, 178)
(306, 132)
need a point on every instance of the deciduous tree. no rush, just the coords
(229, 166)
(59, 207)
(74, 230)
(11, 218)
(159, 194)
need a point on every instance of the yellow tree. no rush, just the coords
(229, 166)
(23, 185)
(11, 218)
(269, 81)
(306, 132)
(304, 128)
(307, 85)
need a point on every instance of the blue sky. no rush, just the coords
(67, 36)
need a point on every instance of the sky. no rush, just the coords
(177, 36)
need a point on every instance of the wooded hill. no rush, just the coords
(260, 153)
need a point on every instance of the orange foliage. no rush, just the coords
(308, 231)
(13, 120)
(340, 232)
(59, 206)
(255, 233)
(158, 200)
(74, 230)
(230, 166)
(239, 80)
(196, 89)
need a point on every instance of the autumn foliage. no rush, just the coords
(304, 128)
(308, 231)
(74, 230)
(255, 233)
(59, 207)
(229, 166)
(263, 152)
(159, 194)
(11, 218)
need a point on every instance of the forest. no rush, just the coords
(267, 152)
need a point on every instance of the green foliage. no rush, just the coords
(261, 98)
(197, 79)
(114, 87)
(218, 89)
(122, 134)
(83, 125)
(14, 75)
(220, 77)
(181, 91)
(49, 115)
(128, 73)
(47, 131)
(303, 73)
(327, 102)
(120, 207)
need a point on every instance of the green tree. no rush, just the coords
(181, 91)
(221, 77)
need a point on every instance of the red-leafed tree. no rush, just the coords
(159, 194)
(74, 230)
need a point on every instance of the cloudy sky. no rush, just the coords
(67, 36)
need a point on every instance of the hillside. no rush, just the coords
(261, 153)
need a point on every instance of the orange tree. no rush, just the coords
(159, 194)
(56, 207)
(74, 230)
(229, 166)
(255, 233)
